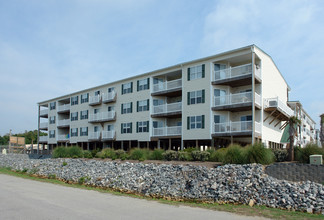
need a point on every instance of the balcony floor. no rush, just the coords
(234, 134)
(168, 93)
(237, 81)
(168, 115)
(276, 113)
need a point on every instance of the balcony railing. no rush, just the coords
(102, 116)
(167, 131)
(63, 137)
(63, 108)
(231, 127)
(108, 97)
(63, 123)
(233, 72)
(107, 135)
(258, 127)
(95, 100)
(43, 125)
(43, 138)
(168, 85)
(277, 103)
(233, 99)
(43, 112)
(167, 108)
(94, 135)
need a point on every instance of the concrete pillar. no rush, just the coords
(212, 143)
(197, 145)
(170, 143)
(88, 147)
(182, 144)
(159, 144)
(122, 145)
(231, 139)
(112, 145)
(148, 145)
(138, 144)
(129, 145)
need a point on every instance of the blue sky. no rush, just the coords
(51, 48)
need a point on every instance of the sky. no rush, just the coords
(55, 47)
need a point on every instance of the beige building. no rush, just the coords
(238, 96)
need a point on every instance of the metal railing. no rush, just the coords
(43, 125)
(257, 99)
(106, 97)
(229, 127)
(94, 135)
(233, 99)
(43, 112)
(277, 103)
(233, 72)
(167, 108)
(63, 123)
(63, 137)
(108, 135)
(95, 99)
(102, 116)
(43, 138)
(258, 127)
(167, 131)
(168, 85)
(62, 108)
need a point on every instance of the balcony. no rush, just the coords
(95, 100)
(276, 108)
(170, 88)
(167, 131)
(102, 117)
(236, 102)
(63, 123)
(43, 139)
(43, 113)
(63, 108)
(108, 135)
(172, 109)
(109, 97)
(94, 136)
(236, 128)
(236, 76)
(43, 126)
(63, 137)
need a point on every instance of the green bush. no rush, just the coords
(156, 154)
(281, 155)
(200, 155)
(60, 152)
(257, 153)
(64, 163)
(170, 155)
(87, 154)
(234, 155)
(120, 154)
(139, 154)
(95, 152)
(190, 150)
(302, 154)
(184, 156)
(75, 152)
(218, 155)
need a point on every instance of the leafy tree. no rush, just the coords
(292, 122)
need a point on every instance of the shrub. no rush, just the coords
(94, 152)
(106, 153)
(51, 176)
(64, 163)
(257, 153)
(83, 179)
(281, 155)
(200, 155)
(139, 154)
(184, 156)
(119, 154)
(218, 155)
(234, 155)
(302, 154)
(87, 154)
(60, 152)
(190, 150)
(75, 152)
(170, 155)
(157, 154)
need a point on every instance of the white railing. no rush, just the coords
(62, 108)
(257, 99)
(108, 135)
(167, 108)
(94, 135)
(167, 131)
(233, 99)
(106, 97)
(95, 99)
(43, 125)
(43, 112)
(63, 137)
(277, 103)
(258, 127)
(233, 72)
(63, 123)
(43, 138)
(229, 127)
(257, 72)
(168, 85)
(102, 116)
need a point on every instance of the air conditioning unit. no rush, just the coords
(273, 103)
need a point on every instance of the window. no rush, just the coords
(96, 110)
(74, 116)
(143, 105)
(127, 108)
(142, 126)
(52, 134)
(196, 72)
(246, 118)
(220, 71)
(52, 105)
(196, 122)
(84, 131)
(196, 97)
(97, 93)
(219, 119)
(52, 120)
(143, 84)
(126, 128)
(157, 102)
(85, 98)
(111, 89)
(84, 114)
(127, 88)
(110, 128)
(157, 124)
(111, 108)
(220, 97)
(96, 129)
(74, 100)
(74, 132)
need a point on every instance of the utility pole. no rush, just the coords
(9, 141)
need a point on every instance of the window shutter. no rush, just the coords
(188, 74)
(148, 105)
(131, 87)
(148, 83)
(203, 121)
(188, 123)
(203, 71)
(122, 128)
(122, 107)
(137, 104)
(131, 105)
(131, 127)
(188, 97)
(122, 89)
(203, 96)
(148, 125)
(137, 85)
(137, 127)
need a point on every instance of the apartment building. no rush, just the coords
(238, 96)
(306, 132)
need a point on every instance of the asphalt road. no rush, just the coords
(27, 199)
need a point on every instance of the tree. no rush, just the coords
(322, 130)
(293, 122)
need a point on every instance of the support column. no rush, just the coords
(182, 143)
(129, 145)
(112, 145)
(253, 96)
(148, 145)
(159, 144)
(197, 145)
(170, 143)
(213, 144)
(88, 147)
(95, 147)
(122, 145)
(231, 139)
(38, 130)
(138, 144)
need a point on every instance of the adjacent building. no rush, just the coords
(238, 96)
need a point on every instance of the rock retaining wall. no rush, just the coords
(240, 184)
